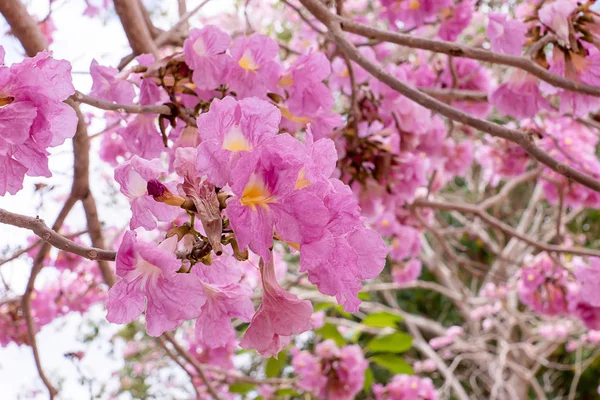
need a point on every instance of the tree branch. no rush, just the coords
(134, 25)
(449, 48)
(334, 24)
(50, 236)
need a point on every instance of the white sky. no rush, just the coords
(78, 39)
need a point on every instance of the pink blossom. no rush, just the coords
(226, 298)
(309, 99)
(506, 35)
(112, 149)
(407, 273)
(335, 373)
(472, 76)
(589, 278)
(346, 254)
(254, 70)
(279, 316)
(229, 129)
(340, 79)
(555, 15)
(106, 85)
(267, 197)
(459, 156)
(543, 286)
(519, 97)
(572, 144)
(458, 19)
(33, 117)
(48, 28)
(425, 366)
(133, 177)
(413, 13)
(405, 387)
(406, 243)
(579, 69)
(204, 51)
(149, 273)
(141, 136)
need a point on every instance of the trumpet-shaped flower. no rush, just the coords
(254, 70)
(279, 316)
(149, 280)
(205, 54)
(229, 129)
(133, 177)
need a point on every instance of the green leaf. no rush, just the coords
(382, 320)
(322, 306)
(275, 366)
(241, 387)
(286, 392)
(369, 378)
(393, 363)
(397, 342)
(342, 313)
(329, 331)
(365, 296)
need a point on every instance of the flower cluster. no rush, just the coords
(404, 387)
(332, 372)
(33, 116)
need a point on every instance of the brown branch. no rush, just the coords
(333, 22)
(448, 48)
(124, 108)
(22, 251)
(197, 366)
(164, 37)
(507, 229)
(134, 25)
(23, 26)
(173, 356)
(51, 237)
(456, 94)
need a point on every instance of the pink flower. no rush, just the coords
(254, 71)
(226, 298)
(543, 286)
(141, 136)
(406, 243)
(519, 97)
(150, 273)
(405, 387)
(112, 149)
(340, 79)
(279, 316)
(267, 197)
(133, 177)
(346, 254)
(106, 85)
(47, 28)
(555, 15)
(413, 13)
(506, 35)
(408, 273)
(458, 19)
(310, 100)
(336, 373)
(589, 278)
(459, 156)
(33, 117)
(229, 129)
(205, 54)
(472, 76)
